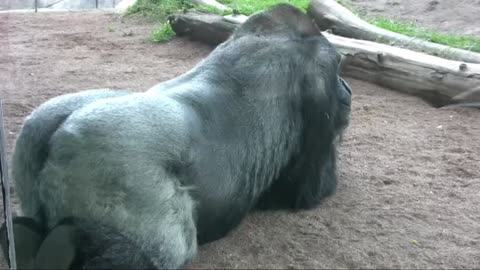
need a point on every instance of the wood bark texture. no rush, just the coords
(202, 26)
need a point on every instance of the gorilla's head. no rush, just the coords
(280, 19)
(288, 21)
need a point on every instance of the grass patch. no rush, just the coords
(161, 9)
(247, 7)
(162, 33)
(472, 43)
(214, 10)
(158, 9)
(465, 42)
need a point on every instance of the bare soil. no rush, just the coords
(409, 181)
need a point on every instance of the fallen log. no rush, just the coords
(202, 26)
(330, 15)
(435, 79)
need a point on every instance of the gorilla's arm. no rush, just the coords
(69, 245)
(28, 238)
(302, 188)
(311, 174)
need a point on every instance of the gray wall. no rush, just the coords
(56, 4)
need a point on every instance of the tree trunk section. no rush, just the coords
(202, 26)
(435, 79)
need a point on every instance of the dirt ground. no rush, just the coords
(409, 181)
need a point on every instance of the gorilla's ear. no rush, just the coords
(28, 236)
(341, 63)
(58, 250)
(281, 18)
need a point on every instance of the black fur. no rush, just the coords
(28, 235)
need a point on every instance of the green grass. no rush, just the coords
(410, 29)
(214, 10)
(472, 43)
(158, 9)
(162, 33)
(247, 7)
(161, 9)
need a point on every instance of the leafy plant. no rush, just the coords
(163, 33)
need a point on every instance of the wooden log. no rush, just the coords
(202, 26)
(330, 15)
(435, 79)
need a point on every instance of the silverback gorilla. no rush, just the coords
(114, 179)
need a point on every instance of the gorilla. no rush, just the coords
(117, 179)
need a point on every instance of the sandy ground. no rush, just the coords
(408, 194)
